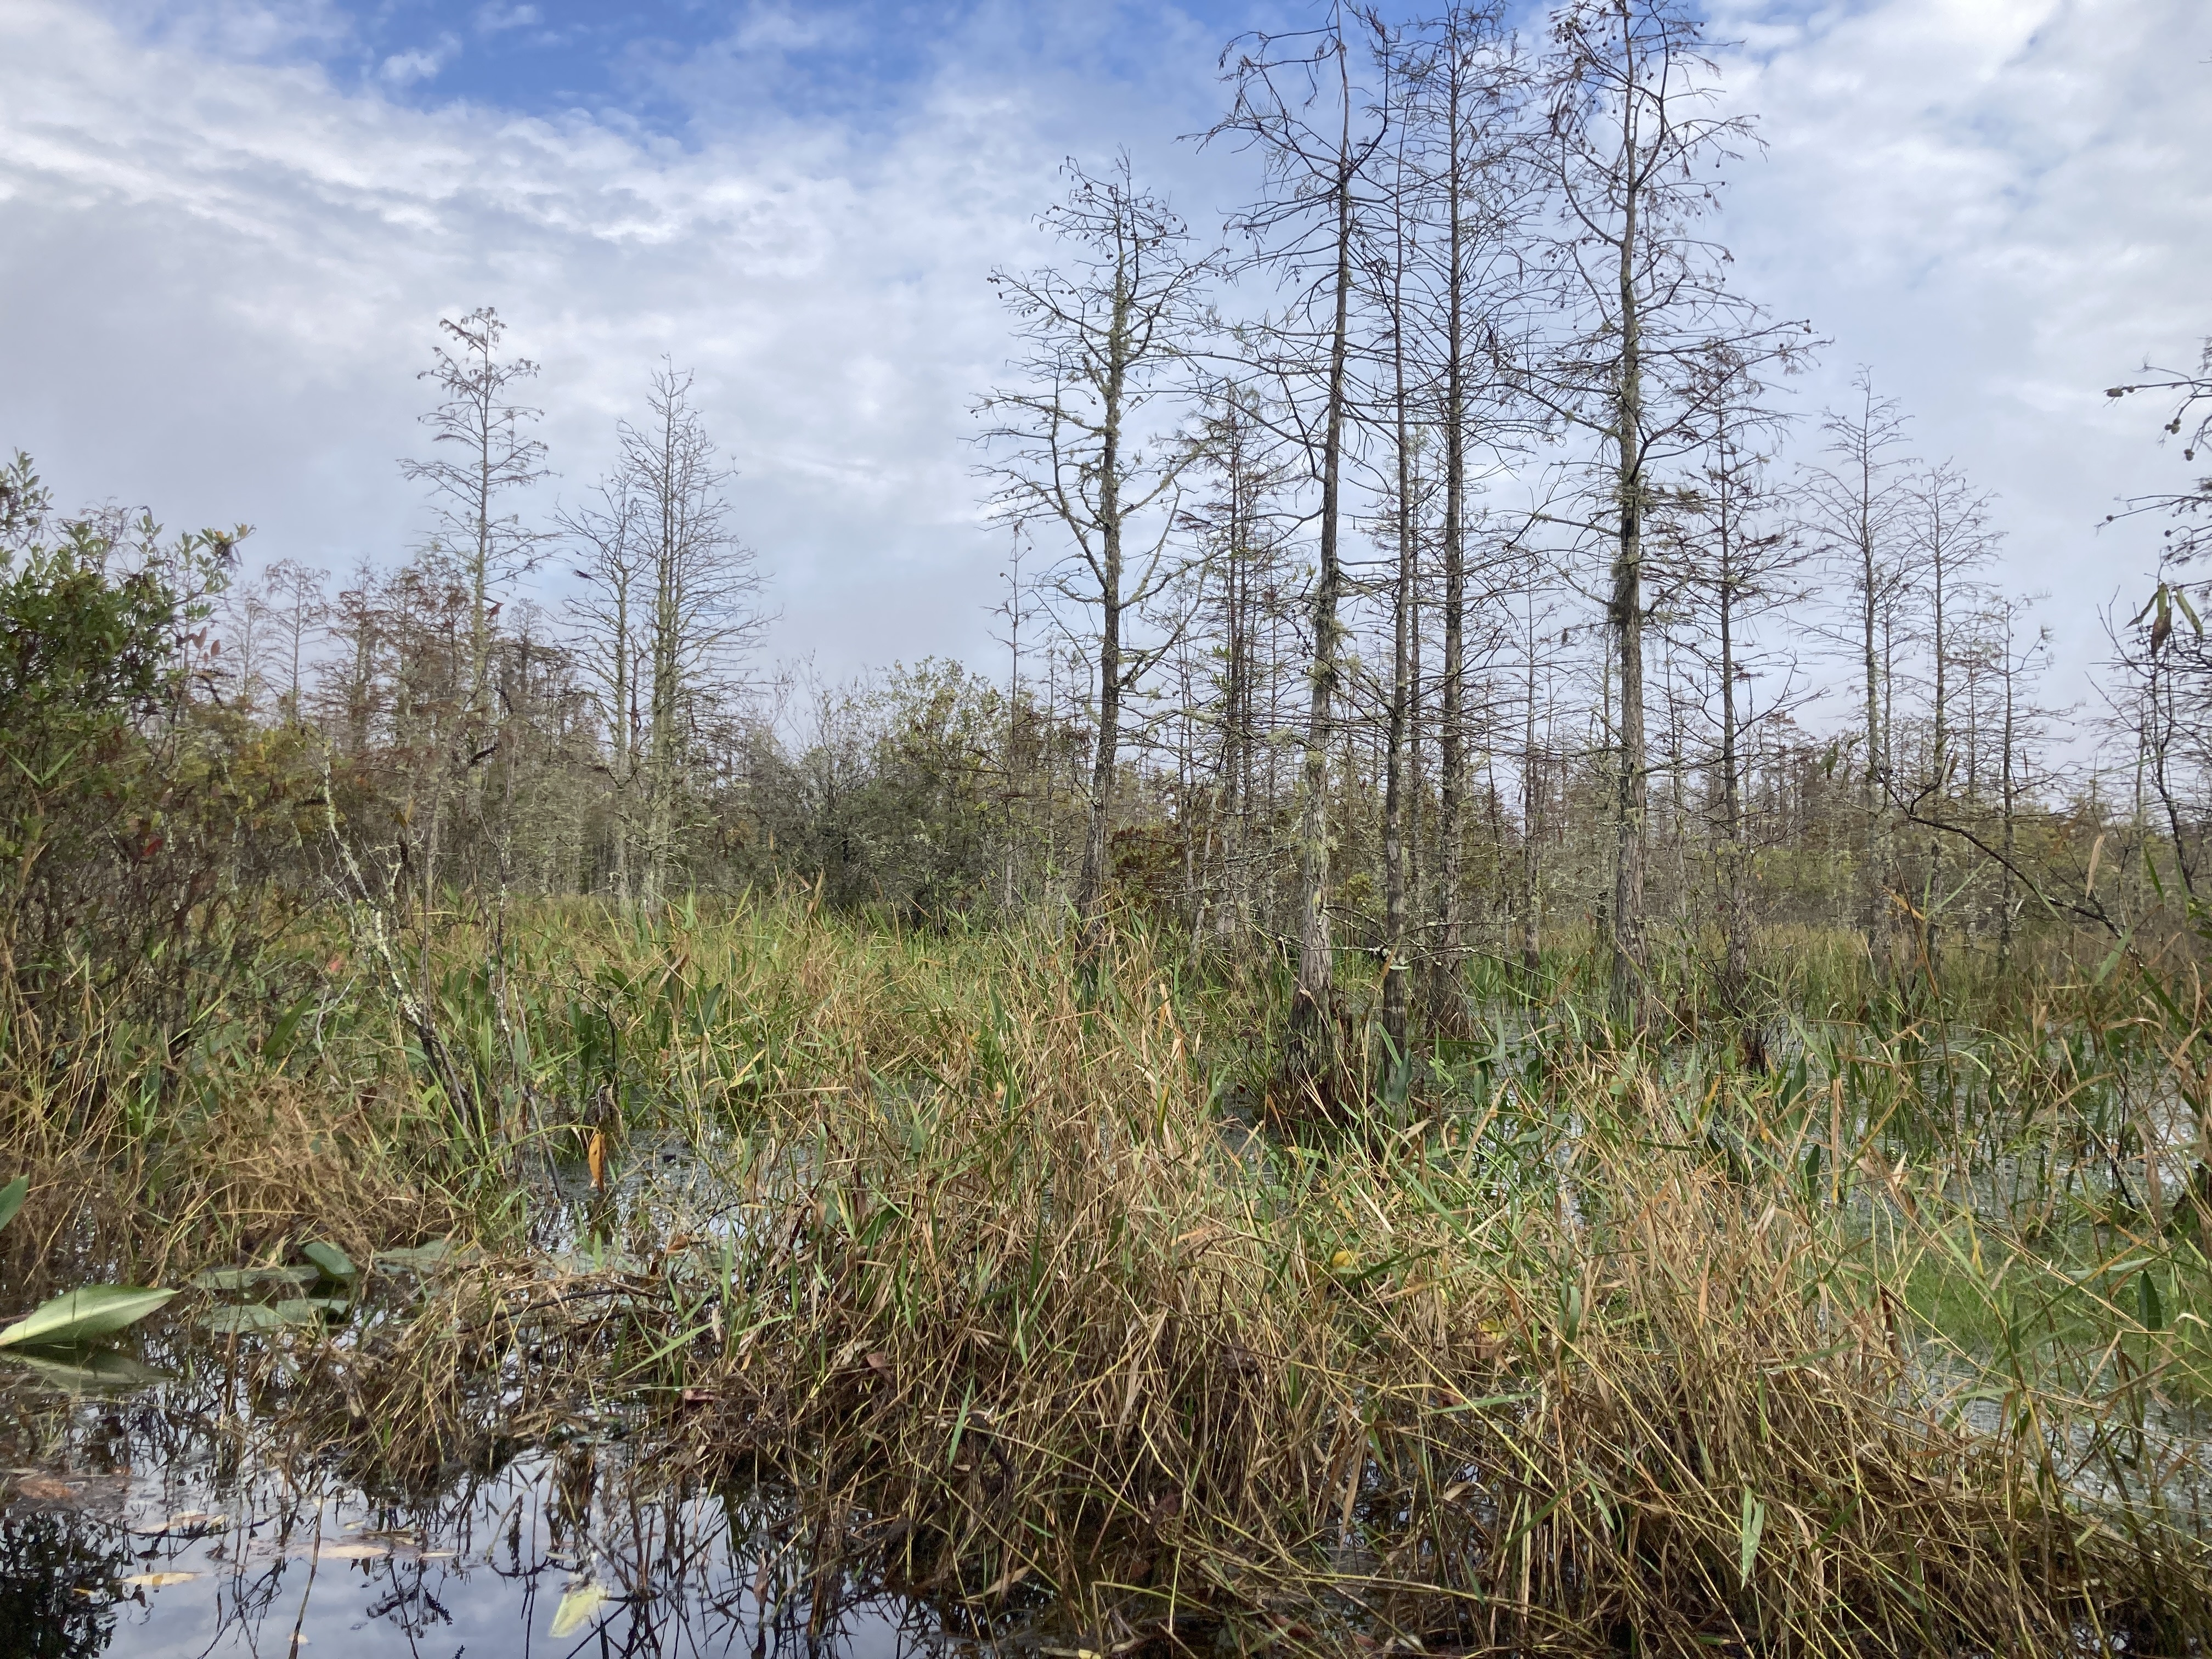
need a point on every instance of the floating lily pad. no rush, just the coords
(75, 1316)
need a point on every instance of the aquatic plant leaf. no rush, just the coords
(222, 1279)
(578, 1604)
(240, 1322)
(79, 1373)
(11, 1198)
(308, 1309)
(157, 1580)
(1749, 1525)
(91, 1310)
(334, 1262)
(416, 1258)
(245, 1279)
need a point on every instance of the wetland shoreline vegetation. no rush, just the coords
(1357, 1099)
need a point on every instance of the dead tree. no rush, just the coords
(1109, 341)
(1631, 151)
(1855, 505)
(1296, 107)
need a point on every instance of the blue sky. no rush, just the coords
(227, 228)
(671, 65)
(682, 71)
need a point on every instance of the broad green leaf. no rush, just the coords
(11, 1198)
(2148, 1305)
(241, 1320)
(93, 1310)
(334, 1261)
(223, 1278)
(278, 1042)
(418, 1259)
(1749, 1526)
(309, 1309)
(578, 1604)
(243, 1279)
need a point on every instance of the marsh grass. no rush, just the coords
(1558, 1342)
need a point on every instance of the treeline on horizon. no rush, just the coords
(1432, 568)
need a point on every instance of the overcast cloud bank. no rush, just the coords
(226, 233)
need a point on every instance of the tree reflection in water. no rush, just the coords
(58, 1583)
(687, 1567)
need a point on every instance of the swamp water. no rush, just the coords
(156, 1501)
(140, 1522)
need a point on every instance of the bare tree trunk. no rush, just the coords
(1397, 950)
(1313, 1005)
(1451, 816)
(1874, 784)
(1735, 962)
(1090, 884)
(2005, 783)
(1107, 336)
(1932, 900)
(1238, 731)
(1532, 958)
(1416, 775)
(1625, 614)
(1396, 953)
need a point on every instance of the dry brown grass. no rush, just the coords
(145, 1169)
(1020, 1325)
(989, 1290)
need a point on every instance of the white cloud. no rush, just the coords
(222, 276)
(219, 274)
(494, 19)
(2000, 206)
(404, 68)
(250, 29)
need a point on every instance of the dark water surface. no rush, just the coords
(138, 1522)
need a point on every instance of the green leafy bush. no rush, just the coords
(138, 822)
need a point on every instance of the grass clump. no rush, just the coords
(1575, 1348)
